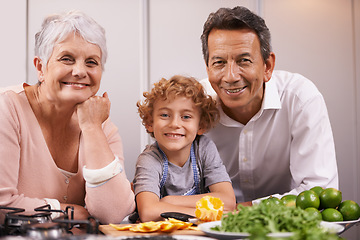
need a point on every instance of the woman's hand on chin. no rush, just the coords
(93, 112)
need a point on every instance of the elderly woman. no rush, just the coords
(58, 146)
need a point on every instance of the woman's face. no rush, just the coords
(73, 72)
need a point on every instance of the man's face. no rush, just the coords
(236, 70)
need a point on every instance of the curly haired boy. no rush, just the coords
(182, 165)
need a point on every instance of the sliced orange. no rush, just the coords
(184, 225)
(167, 226)
(193, 228)
(150, 226)
(123, 228)
(135, 228)
(181, 225)
(209, 209)
(141, 229)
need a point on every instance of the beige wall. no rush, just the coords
(13, 42)
(151, 39)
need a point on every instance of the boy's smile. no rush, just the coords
(174, 135)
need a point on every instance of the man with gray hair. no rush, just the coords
(274, 134)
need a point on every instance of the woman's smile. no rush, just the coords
(76, 85)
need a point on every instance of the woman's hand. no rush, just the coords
(93, 112)
(90, 116)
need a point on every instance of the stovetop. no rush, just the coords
(38, 224)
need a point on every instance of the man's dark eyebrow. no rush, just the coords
(246, 54)
(216, 58)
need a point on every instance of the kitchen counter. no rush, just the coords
(110, 231)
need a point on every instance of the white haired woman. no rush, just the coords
(58, 145)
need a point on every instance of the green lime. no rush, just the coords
(314, 212)
(350, 210)
(317, 189)
(307, 198)
(330, 198)
(289, 200)
(331, 215)
(275, 200)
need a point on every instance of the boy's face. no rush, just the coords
(175, 125)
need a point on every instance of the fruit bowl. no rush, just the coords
(348, 224)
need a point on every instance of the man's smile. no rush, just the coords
(235, 90)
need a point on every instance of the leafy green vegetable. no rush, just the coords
(264, 218)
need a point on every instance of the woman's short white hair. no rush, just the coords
(55, 28)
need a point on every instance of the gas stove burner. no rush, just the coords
(20, 219)
(38, 224)
(19, 222)
(16, 217)
(48, 230)
(68, 213)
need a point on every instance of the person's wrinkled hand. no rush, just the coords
(93, 112)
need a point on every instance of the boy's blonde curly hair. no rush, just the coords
(179, 86)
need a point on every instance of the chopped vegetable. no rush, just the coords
(261, 219)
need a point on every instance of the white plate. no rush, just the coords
(206, 228)
(332, 227)
(347, 222)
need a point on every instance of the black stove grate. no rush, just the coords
(39, 224)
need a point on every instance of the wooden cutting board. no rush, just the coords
(108, 230)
